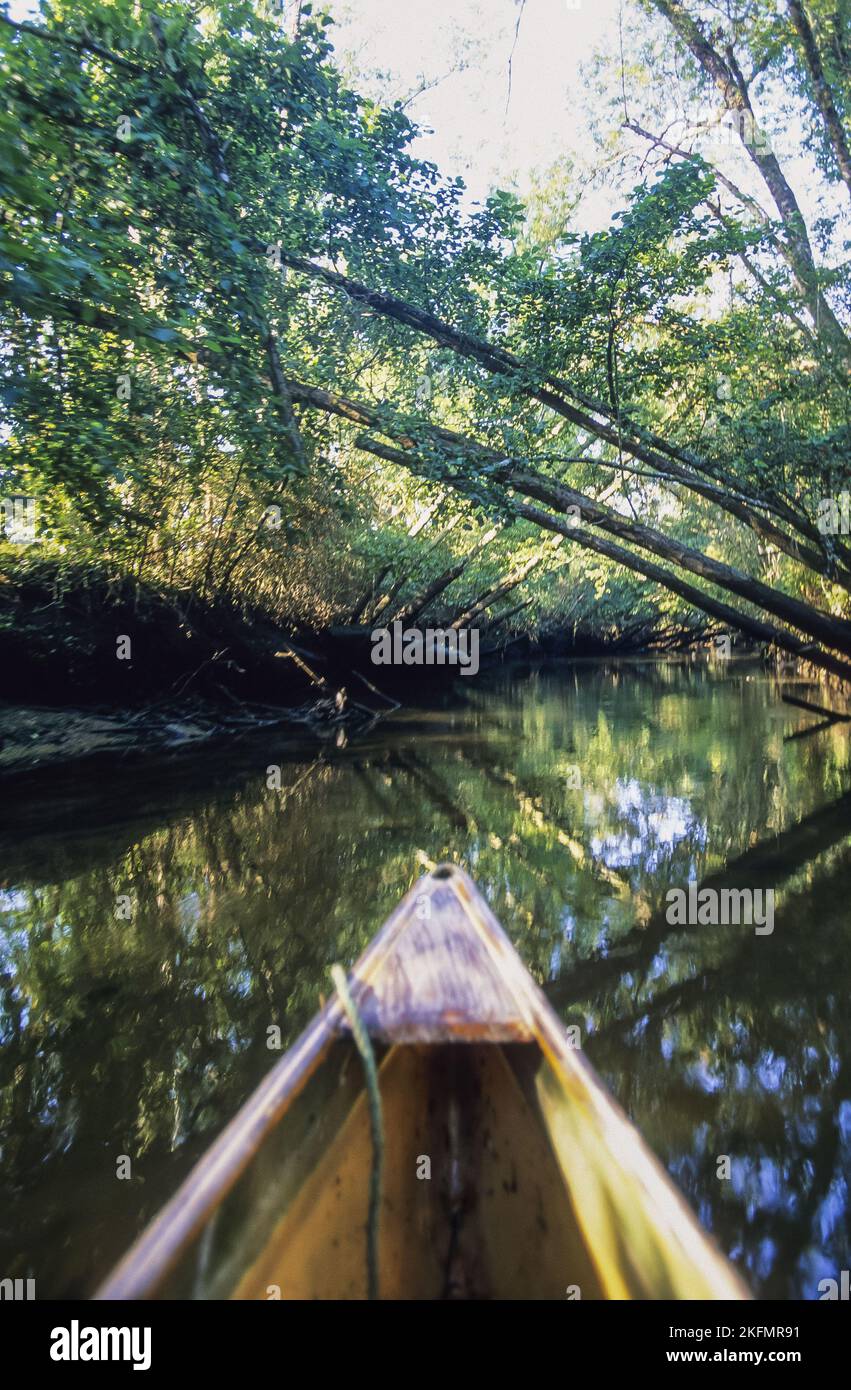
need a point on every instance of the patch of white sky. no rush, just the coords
(450, 60)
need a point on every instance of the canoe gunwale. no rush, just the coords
(159, 1247)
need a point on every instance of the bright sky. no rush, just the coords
(474, 135)
(413, 41)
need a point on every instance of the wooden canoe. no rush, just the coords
(509, 1171)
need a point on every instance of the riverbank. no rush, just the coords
(38, 736)
(99, 668)
(94, 666)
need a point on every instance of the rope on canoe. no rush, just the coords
(364, 1047)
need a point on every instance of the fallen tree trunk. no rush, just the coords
(614, 428)
(833, 632)
(756, 628)
(732, 617)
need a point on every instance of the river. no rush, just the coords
(157, 918)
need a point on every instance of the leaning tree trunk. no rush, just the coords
(394, 591)
(500, 619)
(491, 596)
(420, 602)
(725, 73)
(597, 418)
(822, 91)
(732, 617)
(367, 596)
(834, 632)
(742, 622)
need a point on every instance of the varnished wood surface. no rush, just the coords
(435, 980)
(644, 1238)
(491, 1220)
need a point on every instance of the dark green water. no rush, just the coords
(576, 796)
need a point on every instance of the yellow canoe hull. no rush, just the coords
(509, 1171)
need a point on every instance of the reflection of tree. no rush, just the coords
(795, 1058)
(767, 865)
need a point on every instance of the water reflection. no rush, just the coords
(157, 921)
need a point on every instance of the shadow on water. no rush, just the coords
(158, 918)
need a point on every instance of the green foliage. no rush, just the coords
(156, 164)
